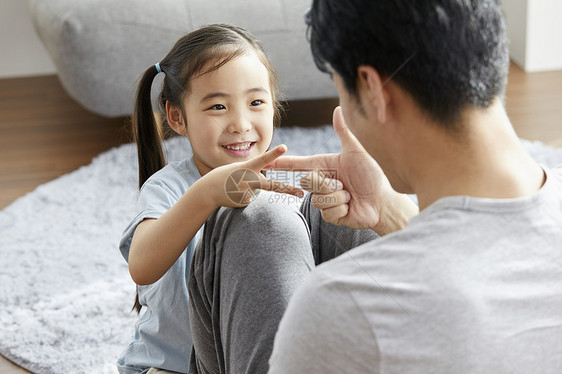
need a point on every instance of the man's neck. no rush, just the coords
(486, 160)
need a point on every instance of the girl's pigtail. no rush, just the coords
(146, 133)
(148, 138)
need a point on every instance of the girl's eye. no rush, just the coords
(217, 107)
(256, 102)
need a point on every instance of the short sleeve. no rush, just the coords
(155, 199)
(324, 331)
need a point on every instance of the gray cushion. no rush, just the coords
(100, 48)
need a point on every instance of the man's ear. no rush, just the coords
(371, 85)
(175, 119)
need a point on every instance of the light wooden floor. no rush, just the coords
(44, 134)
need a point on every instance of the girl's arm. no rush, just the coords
(158, 243)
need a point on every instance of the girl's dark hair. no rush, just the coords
(448, 54)
(197, 53)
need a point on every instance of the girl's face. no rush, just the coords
(229, 113)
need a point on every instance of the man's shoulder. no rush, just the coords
(401, 247)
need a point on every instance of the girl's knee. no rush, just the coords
(269, 213)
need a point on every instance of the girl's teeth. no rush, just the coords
(239, 147)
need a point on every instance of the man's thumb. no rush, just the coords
(347, 139)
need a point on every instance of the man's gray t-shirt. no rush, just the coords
(162, 337)
(472, 285)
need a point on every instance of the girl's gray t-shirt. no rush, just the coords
(162, 337)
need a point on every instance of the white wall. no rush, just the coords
(516, 18)
(21, 51)
(544, 36)
(535, 33)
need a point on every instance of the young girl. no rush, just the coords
(219, 92)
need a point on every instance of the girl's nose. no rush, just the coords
(239, 124)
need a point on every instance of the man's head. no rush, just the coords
(448, 55)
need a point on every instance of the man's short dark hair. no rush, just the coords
(448, 54)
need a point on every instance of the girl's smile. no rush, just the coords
(241, 149)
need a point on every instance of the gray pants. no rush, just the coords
(243, 273)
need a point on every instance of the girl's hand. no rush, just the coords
(237, 184)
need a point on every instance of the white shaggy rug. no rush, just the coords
(65, 292)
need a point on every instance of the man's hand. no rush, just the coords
(350, 188)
